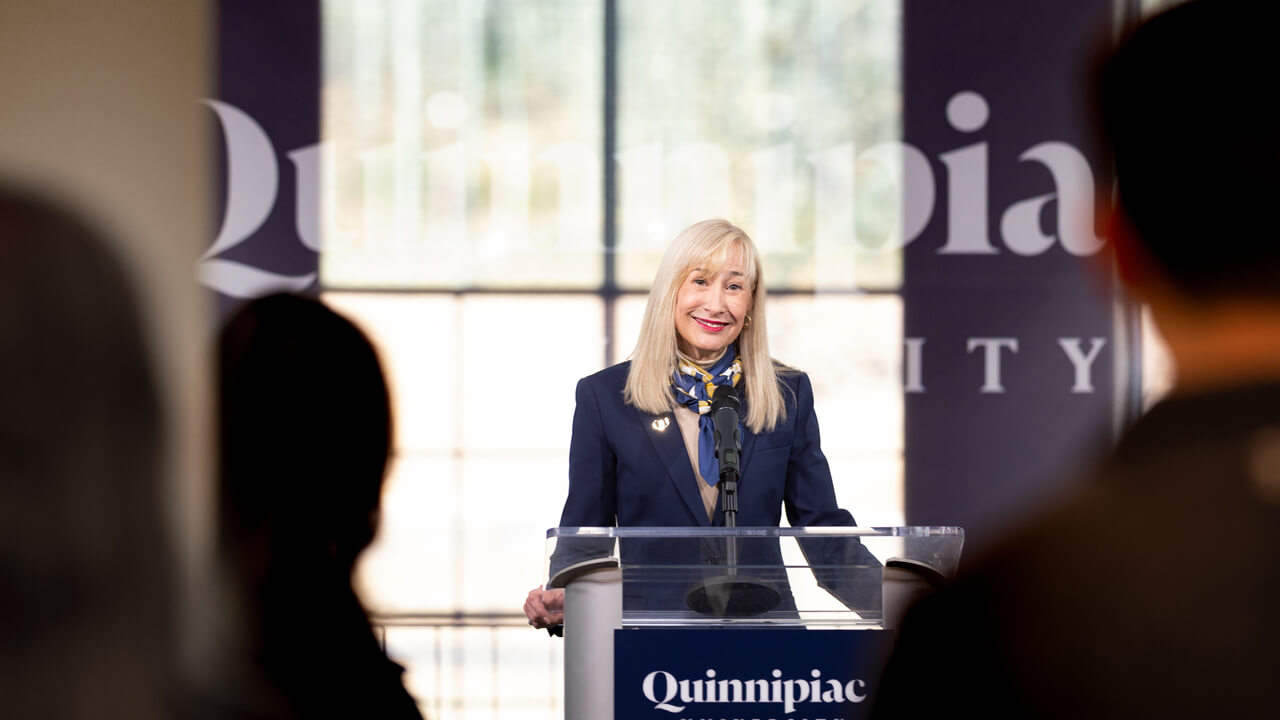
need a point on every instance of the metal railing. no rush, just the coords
(475, 665)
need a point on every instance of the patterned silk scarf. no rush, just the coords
(694, 388)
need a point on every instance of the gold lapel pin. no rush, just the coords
(661, 423)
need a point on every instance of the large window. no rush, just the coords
(466, 144)
(475, 228)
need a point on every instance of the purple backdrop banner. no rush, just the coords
(268, 130)
(1010, 339)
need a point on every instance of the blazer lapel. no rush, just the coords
(668, 445)
(748, 444)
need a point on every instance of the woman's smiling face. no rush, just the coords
(711, 308)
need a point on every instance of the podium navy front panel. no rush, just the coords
(764, 673)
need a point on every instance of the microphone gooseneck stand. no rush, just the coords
(731, 594)
(729, 501)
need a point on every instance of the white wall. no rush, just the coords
(99, 101)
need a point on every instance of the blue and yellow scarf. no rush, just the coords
(694, 388)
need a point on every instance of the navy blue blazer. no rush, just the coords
(625, 470)
(630, 468)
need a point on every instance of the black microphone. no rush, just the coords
(726, 408)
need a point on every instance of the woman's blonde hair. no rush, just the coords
(707, 245)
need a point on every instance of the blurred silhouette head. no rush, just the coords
(83, 553)
(1187, 109)
(305, 432)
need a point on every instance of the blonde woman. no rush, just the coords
(642, 451)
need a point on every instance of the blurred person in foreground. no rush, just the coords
(1153, 590)
(86, 611)
(306, 432)
(642, 452)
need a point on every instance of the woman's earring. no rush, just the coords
(747, 322)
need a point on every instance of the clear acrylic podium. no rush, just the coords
(744, 578)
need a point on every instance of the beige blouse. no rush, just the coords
(687, 419)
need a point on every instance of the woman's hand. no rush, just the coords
(544, 608)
